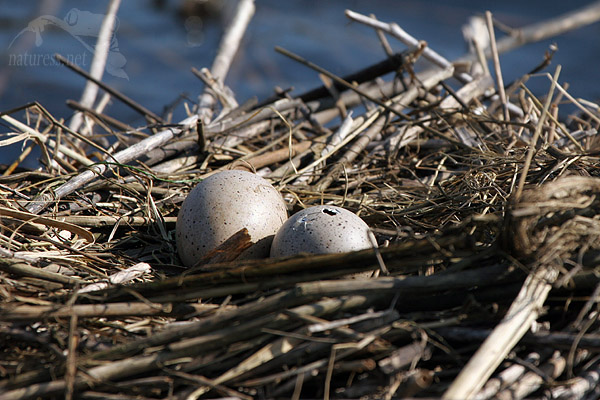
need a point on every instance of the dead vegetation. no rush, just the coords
(484, 204)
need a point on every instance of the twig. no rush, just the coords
(20, 268)
(98, 221)
(393, 63)
(131, 103)
(71, 371)
(522, 313)
(44, 139)
(399, 33)
(106, 310)
(40, 202)
(538, 130)
(102, 117)
(569, 21)
(383, 40)
(532, 380)
(497, 69)
(339, 80)
(227, 49)
(505, 378)
(98, 62)
(398, 103)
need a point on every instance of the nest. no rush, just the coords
(481, 220)
(557, 222)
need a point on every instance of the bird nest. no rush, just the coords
(484, 208)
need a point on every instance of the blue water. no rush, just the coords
(159, 48)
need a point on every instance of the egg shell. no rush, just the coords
(321, 230)
(220, 206)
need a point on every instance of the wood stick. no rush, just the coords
(71, 367)
(399, 33)
(266, 306)
(218, 90)
(99, 221)
(108, 310)
(310, 291)
(584, 386)
(274, 156)
(131, 103)
(42, 201)
(555, 340)
(324, 109)
(538, 130)
(390, 64)
(566, 22)
(402, 357)
(529, 34)
(522, 313)
(227, 49)
(210, 383)
(102, 117)
(338, 80)
(398, 103)
(101, 51)
(531, 381)
(497, 69)
(506, 378)
(20, 268)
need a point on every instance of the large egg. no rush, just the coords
(321, 230)
(223, 204)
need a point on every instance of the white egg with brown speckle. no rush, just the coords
(321, 230)
(223, 204)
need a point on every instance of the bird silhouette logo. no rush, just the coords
(79, 24)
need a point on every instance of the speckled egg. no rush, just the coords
(220, 206)
(321, 230)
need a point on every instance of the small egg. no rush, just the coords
(321, 230)
(223, 204)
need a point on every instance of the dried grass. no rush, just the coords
(433, 170)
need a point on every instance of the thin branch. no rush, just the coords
(98, 62)
(227, 48)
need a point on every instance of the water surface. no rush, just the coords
(159, 46)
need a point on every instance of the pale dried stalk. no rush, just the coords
(428, 53)
(399, 33)
(506, 378)
(18, 267)
(497, 69)
(536, 135)
(72, 154)
(398, 103)
(522, 313)
(531, 381)
(97, 221)
(142, 147)
(227, 49)
(552, 27)
(519, 37)
(580, 387)
(120, 277)
(98, 62)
